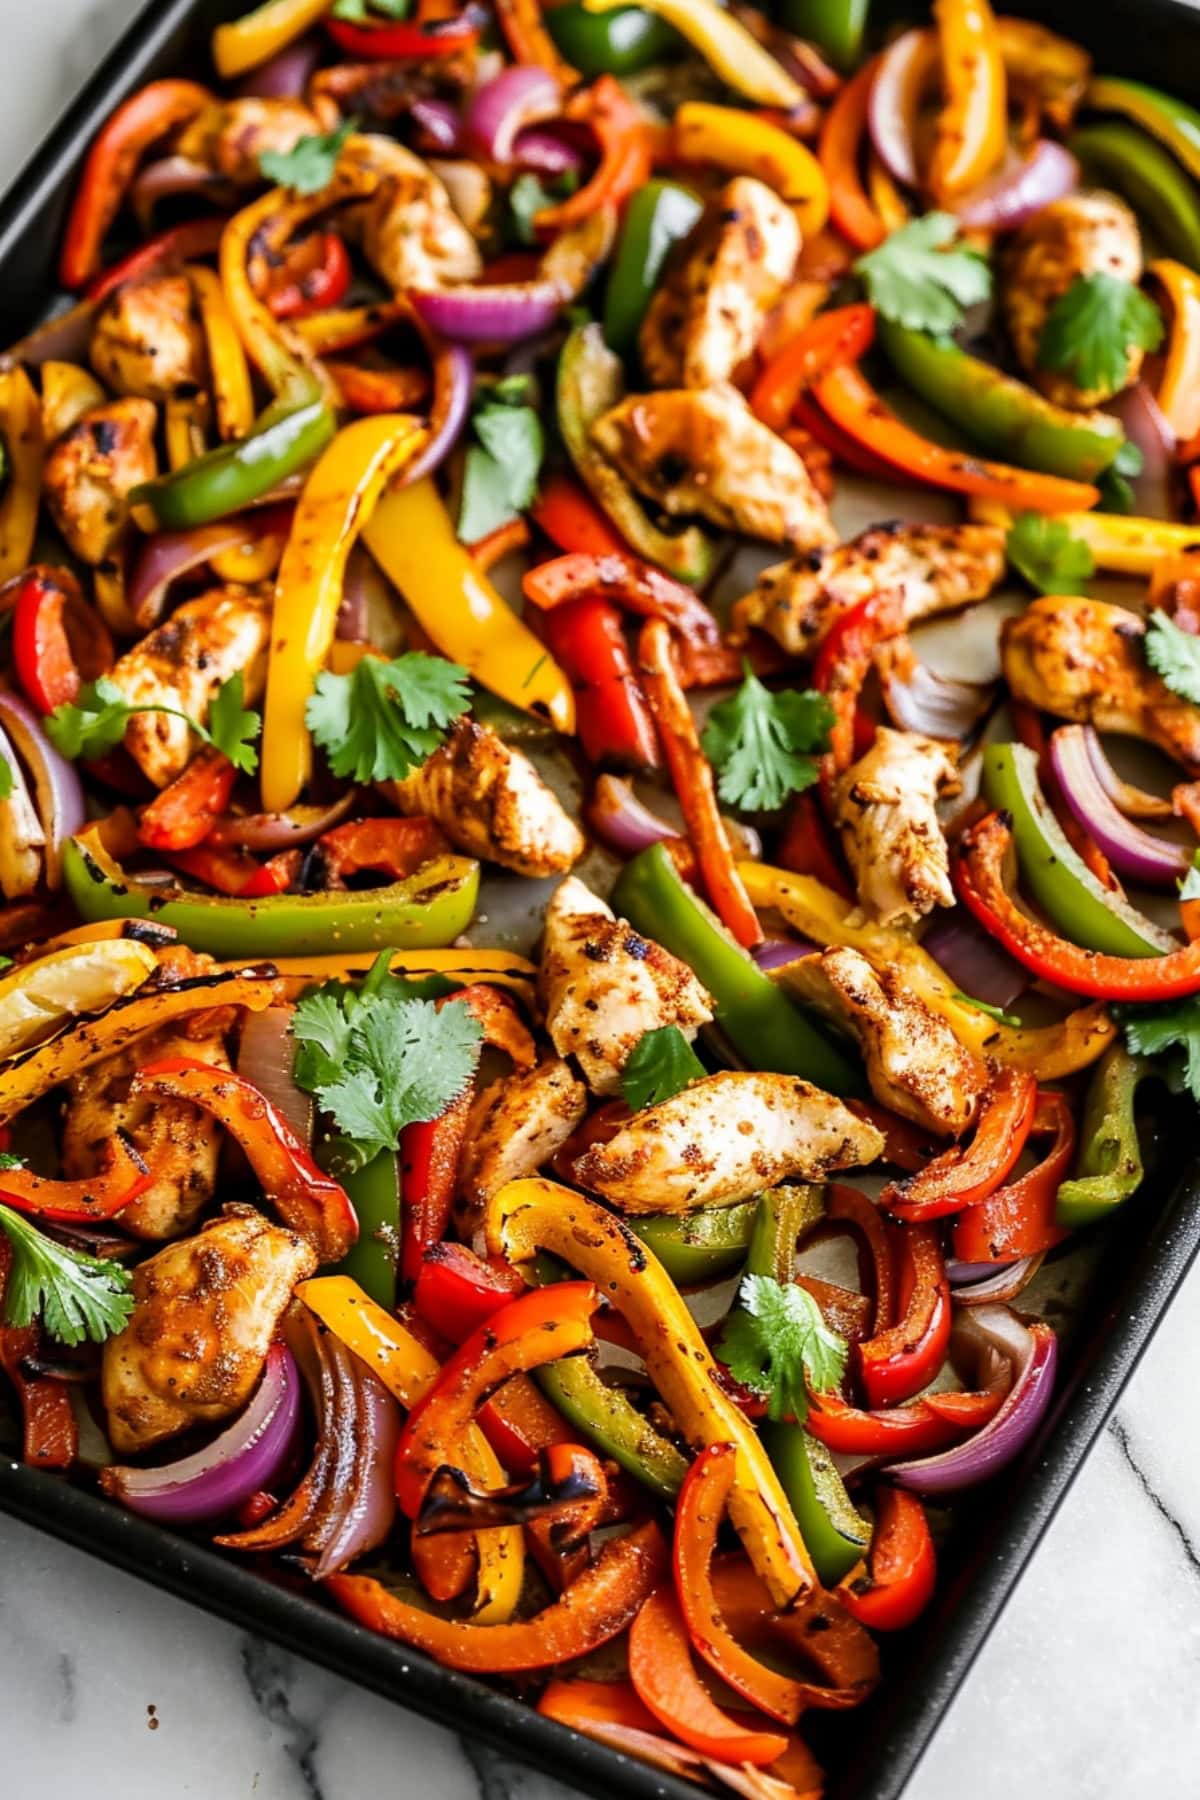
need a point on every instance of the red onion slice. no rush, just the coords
(622, 820)
(282, 831)
(440, 122)
(543, 148)
(989, 1283)
(919, 699)
(286, 75)
(1134, 802)
(59, 791)
(1133, 852)
(168, 176)
(167, 555)
(64, 338)
(453, 383)
(974, 962)
(502, 107)
(489, 315)
(900, 80)
(365, 1509)
(777, 952)
(1020, 187)
(266, 1056)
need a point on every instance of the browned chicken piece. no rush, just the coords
(230, 138)
(411, 234)
(147, 339)
(491, 802)
(915, 1064)
(178, 1142)
(92, 468)
(515, 1127)
(205, 1312)
(1083, 660)
(886, 808)
(183, 663)
(381, 92)
(603, 986)
(704, 320)
(1085, 234)
(723, 1139)
(937, 568)
(706, 454)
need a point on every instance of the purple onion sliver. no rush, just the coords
(286, 75)
(622, 820)
(1005, 1435)
(453, 385)
(57, 787)
(283, 830)
(368, 1513)
(1134, 802)
(489, 315)
(997, 1282)
(777, 952)
(169, 554)
(440, 121)
(1020, 187)
(266, 1056)
(974, 962)
(501, 108)
(895, 95)
(542, 148)
(1147, 429)
(959, 1273)
(1132, 851)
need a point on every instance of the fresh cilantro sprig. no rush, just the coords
(1175, 655)
(1048, 555)
(385, 719)
(309, 165)
(661, 1064)
(500, 475)
(95, 723)
(1116, 482)
(1090, 330)
(77, 1296)
(1172, 1031)
(777, 1344)
(923, 277)
(762, 744)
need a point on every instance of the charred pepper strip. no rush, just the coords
(123, 1177)
(971, 135)
(1018, 1219)
(1109, 1169)
(666, 1682)
(899, 1362)
(963, 1177)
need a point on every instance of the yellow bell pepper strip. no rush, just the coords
(1179, 389)
(21, 439)
(38, 998)
(409, 1371)
(183, 428)
(1051, 1052)
(258, 35)
(733, 139)
(1119, 544)
(338, 499)
(728, 48)
(227, 367)
(971, 135)
(1173, 122)
(346, 327)
(528, 1216)
(411, 536)
(67, 393)
(842, 132)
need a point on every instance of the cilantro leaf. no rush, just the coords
(529, 195)
(660, 1065)
(922, 278)
(78, 1296)
(985, 1006)
(7, 1159)
(321, 1027)
(404, 1061)
(777, 1344)
(760, 743)
(501, 473)
(96, 722)
(1090, 330)
(1048, 556)
(232, 729)
(7, 778)
(1175, 655)
(309, 165)
(385, 719)
(1172, 1030)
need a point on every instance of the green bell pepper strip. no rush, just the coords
(426, 911)
(1173, 122)
(1149, 178)
(699, 1246)
(591, 380)
(1109, 1166)
(657, 218)
(834, 1531)
(834, 26)
(374, 1190)
(781, 1214)
(763, 1025)
(1053, 873)
(610, 1420)
(616, 43)
(1001, 415)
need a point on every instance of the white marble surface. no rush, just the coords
(1089, 1688)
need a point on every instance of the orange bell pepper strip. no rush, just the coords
(842, 133)
(626, 154)
(841, 336)
(897, 1363)
(915, 1429)
(364, 389)
(854, 405)
(487, 551)
(1019, 1219)
(229, 373)
(901, 1567)
(818, 1628)
(144, 118)
(734, 139)
(570, 518)
(119, 1181)
(963, 1177)
(21, 434)
(258, 35)
(529, 42)
(1179, 389)
(635, 585)
(666, 1682)
(595, 1609)
(692, 779)
(519, 1423)
(971, 135)
(579, 1703)
(183, 814)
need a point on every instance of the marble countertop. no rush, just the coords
(1088, 1689)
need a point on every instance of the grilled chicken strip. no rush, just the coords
(179, 1143)
(721, 1140)
(915, 1064)
(515, 1127)
(183, 663)
(1085, 234)
(706, 454)
(937, 568)
(147, 339)
(602, 986)
(491, 802)
(205, 1311)
(411, 234)
(230, 138)
(92, 468)
(705, 319)
(886, 807)
(1083, 660)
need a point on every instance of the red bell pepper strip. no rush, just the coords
(307, 1199)
(843, 448)
(586, 638)
(178, 244)
(122, 1178)
(963, 1177)
(916, 1429)
(901, 1564)
(897, 1363)
(666, 1682)
(595, 1608)
(404, 40)
(144, 118)
(626, 153)
(184, 813)
(570, 518)
(806, 847)
(519, 1422)
(457, 1290)
(58, 640)
(312, 282)
(844, 662)
(366, 388)
(529, 41)
(842, 132)
(228, 869)
(635, 585)
(50, 1435)
(1018, 1220)
(392, 847)
(843, 335)
(848, 1206)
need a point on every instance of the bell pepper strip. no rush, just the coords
(21, 436)
(259, 35)
(374, 1192)
(854, 405)
(699, 1246)
(835, 26)
(1173, 122)
(843, 663)
(971, 133)
(660, 215)
(313, 276)
(532, 41)
(808, 416)
(579, 1703)
(184, 813)
(457, 1291)
(519, 1422)
(806, 846)
(184, 428)
(849, 1206)
(570, 518)
(834, 1531)
(965, 1176)
(404, 40)
(564, 1500)
(177, 245)
(817, 1628)
(1179, 389)
(487, 551)
(1120, 545)
(843, 335)
(428, 910)
(626, 154)
(348, 327)
(412, 538)
(58, 640)
(895, 1432)
(1018, 1220)
(628, 582)
(666, 1682)
(842, 132)
(607, 1417)
(736, 140)
(897, 1363)
(230, 871)
(49, 1432)
(122, 1178)
(1030, 730)
(1123, 158)
(44, 992)
(363, 388)
(781, 1216)
(229, 373)
(594, 44)
(144, 118)
(392, 847)
(67, 393)
(1109, 1169)
(885, 195)
(901, 1571)
(429, 1157)
(586, 638)
(528, 1216)
(731, 51)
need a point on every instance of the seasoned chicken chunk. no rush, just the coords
(147, 339)
(1084, 234)
(231, 137)
(915, 1064)
(704, 320)
(205, 1311)
(515, 1127)
(707, 454)
(936, 568)
(491, 802)
(602, 986)
(411, 234)
(1083, 660)
(721, 1140)
(183, 663)
(179, 1143)
(92, 468)
(886, 808)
